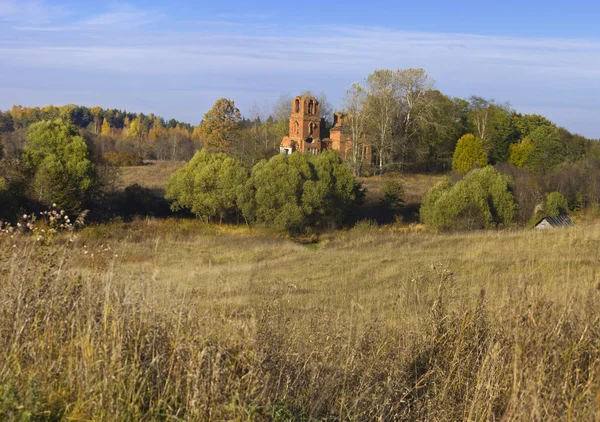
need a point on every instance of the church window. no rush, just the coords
(297, 106)
(310, 107)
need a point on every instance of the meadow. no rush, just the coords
(179, 320)
(175, 319)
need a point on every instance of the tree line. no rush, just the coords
(409, 124)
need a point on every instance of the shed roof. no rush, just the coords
(558, 221)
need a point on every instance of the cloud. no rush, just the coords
(121, 16)
(255, 61)
(30, 11)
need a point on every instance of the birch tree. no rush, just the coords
(355, 105)
(383, 98)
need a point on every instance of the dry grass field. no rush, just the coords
(177, 320)
(152, 175)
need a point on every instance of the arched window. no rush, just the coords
(310, 107)
(297, 106)
(296, 128)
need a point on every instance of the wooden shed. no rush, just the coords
(553, 222)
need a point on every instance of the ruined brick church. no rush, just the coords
(307, 135)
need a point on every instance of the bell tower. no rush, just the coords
(305, 120)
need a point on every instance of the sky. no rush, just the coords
(177, 58)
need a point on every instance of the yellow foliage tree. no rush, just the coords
(519, 153)
(468, 154)
(220, 126)
(105, 131)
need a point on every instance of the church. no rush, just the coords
(308, 135)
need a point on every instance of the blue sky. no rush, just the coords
(176, 58)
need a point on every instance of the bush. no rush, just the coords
(123, 158)
(301, 191)
(468, 154)
(59, 160)
(393, 196)
(555, 204)
(207, 186)
(481, 200)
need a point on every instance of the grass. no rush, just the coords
(152, 175)
(178, 320)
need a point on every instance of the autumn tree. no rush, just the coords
(220, 126)
(468, 154)
(519, 153)
(105, 131)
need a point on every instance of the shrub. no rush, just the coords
(207, 186)
(468, 154)
(297, 192)
(555, 204)
(481, 200)
(393, 196)
(123, 158)
(59, 160)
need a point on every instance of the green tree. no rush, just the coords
(468, 153)
(555, 204)
(294, 193)
(59, 159)
(220, 126)
(207, 186)
(549, 149)
(483, 199)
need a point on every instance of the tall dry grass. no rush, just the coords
(176, 320)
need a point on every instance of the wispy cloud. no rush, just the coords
(30, 11)
(119, 17)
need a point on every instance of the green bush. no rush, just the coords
(59, 160)
(555, 204)
(297, 192)
(123, 158)
(393, 196)
(207, 186)
(481, 200)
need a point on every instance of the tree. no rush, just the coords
(549, 149)
(59, 160)
(220, 125)
(207, 186)
(356, 116)
(297, 192)
(519, 153)
(97, 114)
(105, 131)
(383, 98)
(469, 153)
(416, 107)
(555, 204)
(483, 199)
